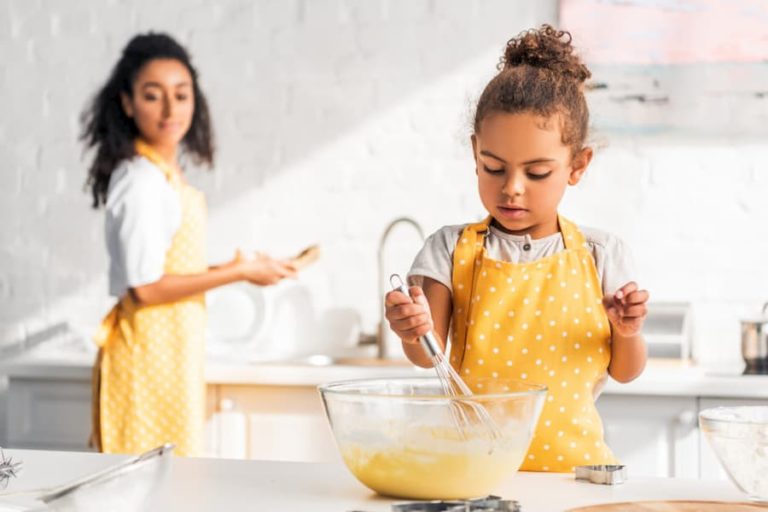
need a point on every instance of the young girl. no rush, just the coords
(529, 294)
(149, 387)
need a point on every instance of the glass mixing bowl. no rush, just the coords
(739, 438)
(405, 438)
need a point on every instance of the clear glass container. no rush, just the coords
(404, 438)
(739, 438)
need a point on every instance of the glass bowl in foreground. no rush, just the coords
(405, 438)
(739, 438)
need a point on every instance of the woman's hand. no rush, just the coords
(408, 317)
(261, 269)
(627, 309)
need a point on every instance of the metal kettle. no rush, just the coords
(754, 343)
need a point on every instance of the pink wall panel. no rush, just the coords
(668, 31)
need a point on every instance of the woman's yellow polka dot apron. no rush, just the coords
(149, 385)
(541, 322)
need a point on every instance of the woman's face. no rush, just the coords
(162, 102)
(523, 168)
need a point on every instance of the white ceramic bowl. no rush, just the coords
(739, 437)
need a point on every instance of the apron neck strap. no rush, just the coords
(466, 258)
(573, 238)
(145, 150)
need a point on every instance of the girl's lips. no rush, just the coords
(512, 213)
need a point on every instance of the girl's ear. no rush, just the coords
(126, 103)
(579, 165)
(474, 150)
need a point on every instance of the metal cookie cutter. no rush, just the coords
(610, 474)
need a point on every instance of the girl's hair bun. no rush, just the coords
(546, 48)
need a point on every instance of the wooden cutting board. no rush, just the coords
(673, 506)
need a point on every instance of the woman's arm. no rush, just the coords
(426, 310)
(261, 270)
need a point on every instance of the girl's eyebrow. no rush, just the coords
(539, 161)
(485, 152)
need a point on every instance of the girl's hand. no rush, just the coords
(408, 317)
(262, 270)
(627, 309)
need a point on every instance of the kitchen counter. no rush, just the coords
(259, 411)
(661, 377)
(205, 485)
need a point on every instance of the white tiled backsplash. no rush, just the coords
(332, 118)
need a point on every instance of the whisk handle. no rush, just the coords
(428, 341)
(430, 344)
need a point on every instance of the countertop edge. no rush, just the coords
(661, 378)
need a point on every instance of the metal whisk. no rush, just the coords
(8, 469)
(465, 412)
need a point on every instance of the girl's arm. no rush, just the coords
(426, 310)
(627, 311)
(628, 357)
(261, 270)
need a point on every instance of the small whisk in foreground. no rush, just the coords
(465, 410)
(8, 469)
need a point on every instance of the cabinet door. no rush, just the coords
(652, 435)
(710, 468)
(273, 423)
(49, 414)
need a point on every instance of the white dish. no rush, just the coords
(237, 314)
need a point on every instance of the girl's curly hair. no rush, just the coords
(540, 73)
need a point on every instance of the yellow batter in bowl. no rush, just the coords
(399, 437)
(420, 474)
(436, 464)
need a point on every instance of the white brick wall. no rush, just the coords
(694, 213)
(332, 118)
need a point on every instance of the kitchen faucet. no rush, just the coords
(380, 339)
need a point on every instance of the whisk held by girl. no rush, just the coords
(526, 293)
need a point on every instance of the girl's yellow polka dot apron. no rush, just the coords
(149, 385)
(541, 322)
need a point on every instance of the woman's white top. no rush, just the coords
(143, 212)
(612, 257)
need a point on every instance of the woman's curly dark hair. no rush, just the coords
(539, 73)
(111, 132)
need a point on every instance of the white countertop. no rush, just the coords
(206, 485)
(661, 377)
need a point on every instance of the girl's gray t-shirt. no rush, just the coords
(612, 257)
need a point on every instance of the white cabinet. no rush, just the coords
(242, 421)
(709, 466)
(52, 413)
(652, 435)
(659, 436)
(270, 423)
(48, 414)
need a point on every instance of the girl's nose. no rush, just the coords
(514, 185)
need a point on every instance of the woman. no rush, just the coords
(149, 386)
